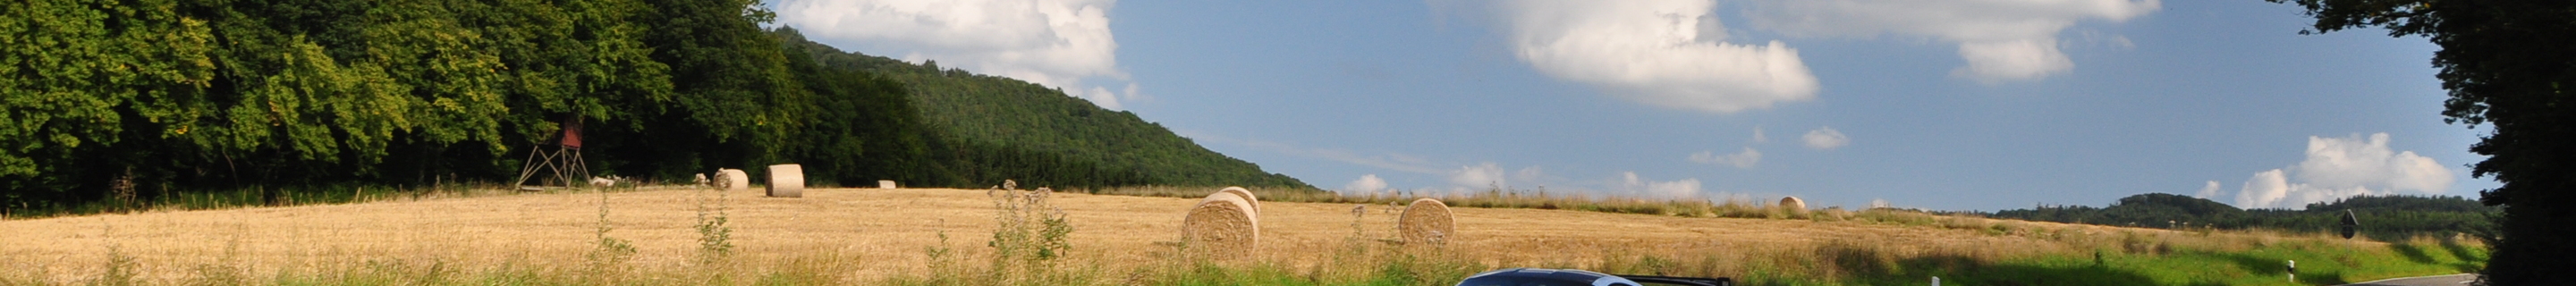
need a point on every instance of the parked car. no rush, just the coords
(1577, 277)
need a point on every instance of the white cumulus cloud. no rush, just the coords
(2356, 162)
(1479, 176)
(1057, 43)
(1744, 160)
(1678, 189)
(1367, 184)
(1993, 62)
(2337, 168)
(1670, 53)
(2207, 190)
(1529, 174)
(1826, 138)
(2002, 40)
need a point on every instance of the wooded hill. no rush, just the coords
(141, 99)
(2386, 218)
(991, 110)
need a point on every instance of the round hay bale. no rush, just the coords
(885, 184)
(1427, 221)
(732, 180)
(1247, 197)
(1222, 226)
(787, 181)
(1793, 204)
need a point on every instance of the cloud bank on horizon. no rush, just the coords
(2338, 168)
(1675, 189)
(1057, 43)
(1367, 184)
(1474, 178)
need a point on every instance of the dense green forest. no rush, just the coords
(140, 99)
(991, 110)
(2382, 217)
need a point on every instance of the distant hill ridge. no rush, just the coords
(989, 110)
(2383, 217)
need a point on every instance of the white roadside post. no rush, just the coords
(1936, 280)
(2294, 271)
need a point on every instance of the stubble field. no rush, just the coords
(879, 236)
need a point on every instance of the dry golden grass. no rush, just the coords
(867, 236)
(1732, 206)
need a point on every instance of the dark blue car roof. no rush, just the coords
(1544, 277)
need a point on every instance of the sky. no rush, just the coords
(1935, 104)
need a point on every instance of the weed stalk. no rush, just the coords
(611, 251)
(715, 239)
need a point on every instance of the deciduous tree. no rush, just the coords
(2509, 65)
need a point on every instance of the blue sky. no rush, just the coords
(1961, 105)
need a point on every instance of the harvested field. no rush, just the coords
(865, 236)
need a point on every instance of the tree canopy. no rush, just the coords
(2507, 65)
(159, 97)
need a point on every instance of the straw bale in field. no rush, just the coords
(1793, 204)
(1247, 197)
(1427, 221)
(1223, 226)
(787, 181)
(599, 182)
(885, 184)
(732, 180)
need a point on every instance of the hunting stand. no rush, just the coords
(559, 157)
